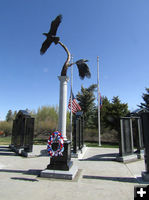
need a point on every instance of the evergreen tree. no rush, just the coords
(86, 100)
(9, 116)
(116, 110)
(110, 113)
(104, 112)
(14, 114)
(145, 97)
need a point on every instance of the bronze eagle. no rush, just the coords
(83, 68)
(51, 35)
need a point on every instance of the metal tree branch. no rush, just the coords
(66, 64)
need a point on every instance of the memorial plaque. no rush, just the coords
(29, 135)
(138, 133)
(23, 131)
(78, 128)
(145, 126)
(126, 142)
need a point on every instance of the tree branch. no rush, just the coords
(66, 64)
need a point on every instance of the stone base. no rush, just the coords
(60, 166)
(145, 176)
(80, 153)
(17, 151)
(127, 159)
(22, 152)
(58, 174)
(28, 154)
(13, 148)
(141, 154)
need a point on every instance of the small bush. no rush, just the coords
(6, 128)
(108, 136)
(91, 135)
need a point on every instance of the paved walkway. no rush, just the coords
(99, 177)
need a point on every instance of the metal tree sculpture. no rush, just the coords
(51, 37)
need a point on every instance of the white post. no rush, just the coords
(71, 100)
(98, 96)
(63, 105)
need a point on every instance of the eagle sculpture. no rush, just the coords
(51, 37)
(82, 68)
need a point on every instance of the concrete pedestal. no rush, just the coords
(127, 158)
(61, 167)
(28, 154)
(145, 176)
(140, 154)
(59, 174)
(80, 153)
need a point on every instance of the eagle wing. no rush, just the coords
(52, 32)
(54, 25)
(46, 44)
(83, 69)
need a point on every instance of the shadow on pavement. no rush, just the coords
(28, 172)
(117, 179)
(4, 147)
(24, 179)
(6, 151)
(102, 157)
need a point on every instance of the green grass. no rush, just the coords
(95, 144)
(5, 140)
(40, 141)
(37, 141)
(88, 144)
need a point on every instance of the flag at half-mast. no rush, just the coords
(99, 96)
(100, 101)
(75, 106)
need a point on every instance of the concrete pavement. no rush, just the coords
(99, 177)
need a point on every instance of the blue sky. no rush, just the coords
(115, 30)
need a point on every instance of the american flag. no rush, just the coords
(75, 105)
(99, 96)
(100, 101)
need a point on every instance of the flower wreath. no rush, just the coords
(56, 137)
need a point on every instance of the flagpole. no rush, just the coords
(98, 97)
(71, 100)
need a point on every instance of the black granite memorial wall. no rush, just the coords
(126, 137)
(145, 127)
(22, 132)
(137, 134)
(78, 129)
